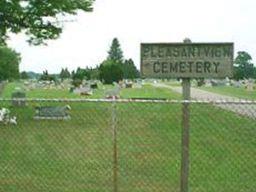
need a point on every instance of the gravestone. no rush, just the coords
(137, 85)
(216, 82)
(236, 84)
(208, 83)
(83, 91)
(19, 99)
(113, 93)
(128, 85)
(249, 85)
(94, 85)
(52, 112)
(227, 81)
(71, 89)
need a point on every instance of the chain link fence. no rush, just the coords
(125, 145)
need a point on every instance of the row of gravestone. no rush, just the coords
(20, 96)
(248, 84)
(84, 89)
(46, 112)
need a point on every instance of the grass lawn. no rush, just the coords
(77, 155)
(9, 88)
(241, 92)
(173, 83)
(148, 91)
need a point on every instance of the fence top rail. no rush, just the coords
(219, 101)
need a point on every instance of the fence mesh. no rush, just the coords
(122, 145)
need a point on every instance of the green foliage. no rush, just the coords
(81, 74)
(110, 71)
(84, 74)
(114, 68)
(39, 19)
(47, 77)
(65, 74)
(9, 64)
(129, 70)
(94, 73)
(243, 66)
(24, 75)
(115, 53)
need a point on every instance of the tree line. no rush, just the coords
(113, 69)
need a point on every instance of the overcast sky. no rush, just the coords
(86, 41)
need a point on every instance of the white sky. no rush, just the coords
(86, 41)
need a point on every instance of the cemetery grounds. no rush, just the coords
(140, 142)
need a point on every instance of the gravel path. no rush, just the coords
(237, 107)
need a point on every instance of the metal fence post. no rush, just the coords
(185, 135)
(115, 161)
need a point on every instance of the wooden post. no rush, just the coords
(185, 135)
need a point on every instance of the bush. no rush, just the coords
(110, 71)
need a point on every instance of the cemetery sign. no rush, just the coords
(187, 60)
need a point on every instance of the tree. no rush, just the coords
(110, 71)
(47, 77)
(115, 53)
(80, 75)
(129, 70)
(65, 74)
(243, 66)
(114, 68)
(39, 19)
(94, 73)
(24, 75)
(9, 64)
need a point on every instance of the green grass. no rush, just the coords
(174, 83)
(77, 155)
(241, 92)
(148, 91)
(9, 88)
